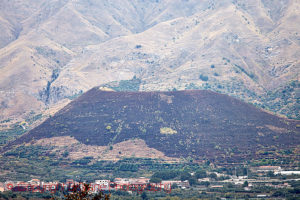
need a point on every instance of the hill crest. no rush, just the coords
(200, 124)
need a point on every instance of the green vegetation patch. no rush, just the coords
(11, 134)
(125, 85)
(167, 131)
(285, 100)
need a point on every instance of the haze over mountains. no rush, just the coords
(52, 51)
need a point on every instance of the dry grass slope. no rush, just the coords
(55, 50)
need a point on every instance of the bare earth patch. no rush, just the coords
(130, 148)
(57, 141)
(276, 129)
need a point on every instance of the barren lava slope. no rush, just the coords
(195, 123)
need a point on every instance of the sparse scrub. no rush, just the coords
(203, 77)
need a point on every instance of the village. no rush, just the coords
(141, 184)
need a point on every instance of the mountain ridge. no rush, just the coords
(253, 47)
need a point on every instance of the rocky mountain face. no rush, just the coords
(200, 124)
(52, 51)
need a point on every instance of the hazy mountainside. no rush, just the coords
(199, 124)
(55, 50)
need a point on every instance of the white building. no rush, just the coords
(288, 172)
(268, 168)
(102, 182)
